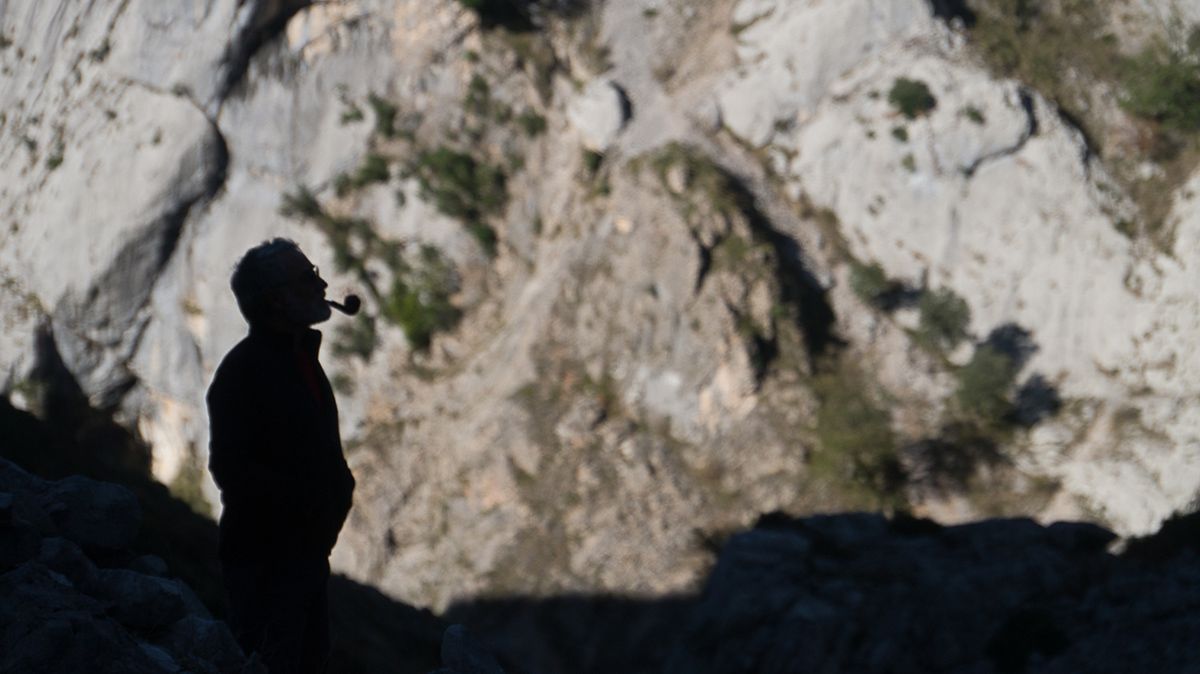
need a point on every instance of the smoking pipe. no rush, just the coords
(350, 306)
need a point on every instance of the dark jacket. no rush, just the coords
(275, 451)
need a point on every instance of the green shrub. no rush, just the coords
(351, 114)
(911, 97)
(357, 338)
(985, 385)
(532, 123)
(703, 176)
(302, 204)
(343, 184)
(974, 114)
(463, 188)
(479, 96)
(374, 169)
(944, 318)
(869, 282)
(343, 383)
(419, 301)
(900, 133)
(485, 235)
(385, 115)
(1165, 87)
(341, 231)
(592, 161)
(857, 446)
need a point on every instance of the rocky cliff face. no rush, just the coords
(635, 272)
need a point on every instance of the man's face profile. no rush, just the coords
(298, 298)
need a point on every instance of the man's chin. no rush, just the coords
(323, 314)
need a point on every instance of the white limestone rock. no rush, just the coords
(599, 112)
(790, 53)
(994, 196)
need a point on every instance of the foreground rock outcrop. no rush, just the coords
(837, 593)
(861, 593)
(73, 598)
(857, 593)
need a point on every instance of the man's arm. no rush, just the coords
(239, 445)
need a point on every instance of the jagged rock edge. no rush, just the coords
(1031, 130)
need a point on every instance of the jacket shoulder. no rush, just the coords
(237, 368)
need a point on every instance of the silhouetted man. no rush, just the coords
(277, 456)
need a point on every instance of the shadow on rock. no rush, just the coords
(861, 593)
(137, 536)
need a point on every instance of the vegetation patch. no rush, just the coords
(1068, 52)
(944, 319)
(974, 114)
(419, 298)
(357, 338)
(873, 286)
(911, 98)
(857, 447)
(1164, 86)
(351, 114)
(385, 115)
(531, 123)
(374, 169)
(479, 102)
(709, 192)
(985, 386)
(463, 188)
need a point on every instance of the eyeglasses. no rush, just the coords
(311, 275)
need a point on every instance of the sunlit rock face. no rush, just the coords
(637, 361)
(996, 196)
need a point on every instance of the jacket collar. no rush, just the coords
(310, 339)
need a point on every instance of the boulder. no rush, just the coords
(139, 601)
(195, 639)
(600, 112)
(6, 509)
(461, 654)
(18, 543)
(64, 557)
(92, 513)
(46, 625)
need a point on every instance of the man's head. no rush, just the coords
(277, 286)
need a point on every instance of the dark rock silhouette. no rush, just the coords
(64, 610)
(862, 593)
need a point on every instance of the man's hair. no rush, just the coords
(257, 272)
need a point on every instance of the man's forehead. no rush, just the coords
(292, 258)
